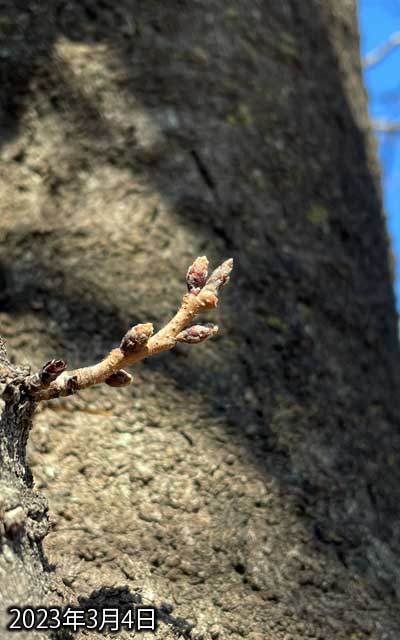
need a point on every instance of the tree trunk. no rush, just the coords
(25, 575)
(252, 484)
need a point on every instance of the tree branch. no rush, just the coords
(385, 126)
(53, 380)
(377, 55)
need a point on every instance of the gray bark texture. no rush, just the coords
(25, 575)
(249, 486)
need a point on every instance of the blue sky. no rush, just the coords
(378, 20)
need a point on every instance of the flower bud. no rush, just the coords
(119, 379)
(197, 333)
(51, 370)
(197, 275)
(136, 338)
(219, 277)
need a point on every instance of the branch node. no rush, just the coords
(72, 384)
(51, 370)
(209, 301)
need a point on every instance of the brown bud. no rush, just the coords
(197, 275)
(197, 333)
(119, 379)
(219, 277)
(72, 384)
(51, 370)
(136, 338)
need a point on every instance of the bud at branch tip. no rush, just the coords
(219, 277)
(197, 275)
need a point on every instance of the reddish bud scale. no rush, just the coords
(197, 275)
(119, 379)
(197, 333)
(51, 370)
(136, 338)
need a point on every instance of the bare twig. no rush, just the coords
(53, 381)
(385, 126)
(377, 55)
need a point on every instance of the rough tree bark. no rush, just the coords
(26, 578)
(253, 487)
(23, 511)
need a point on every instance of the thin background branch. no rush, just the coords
(383, 125)
(380, 53)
